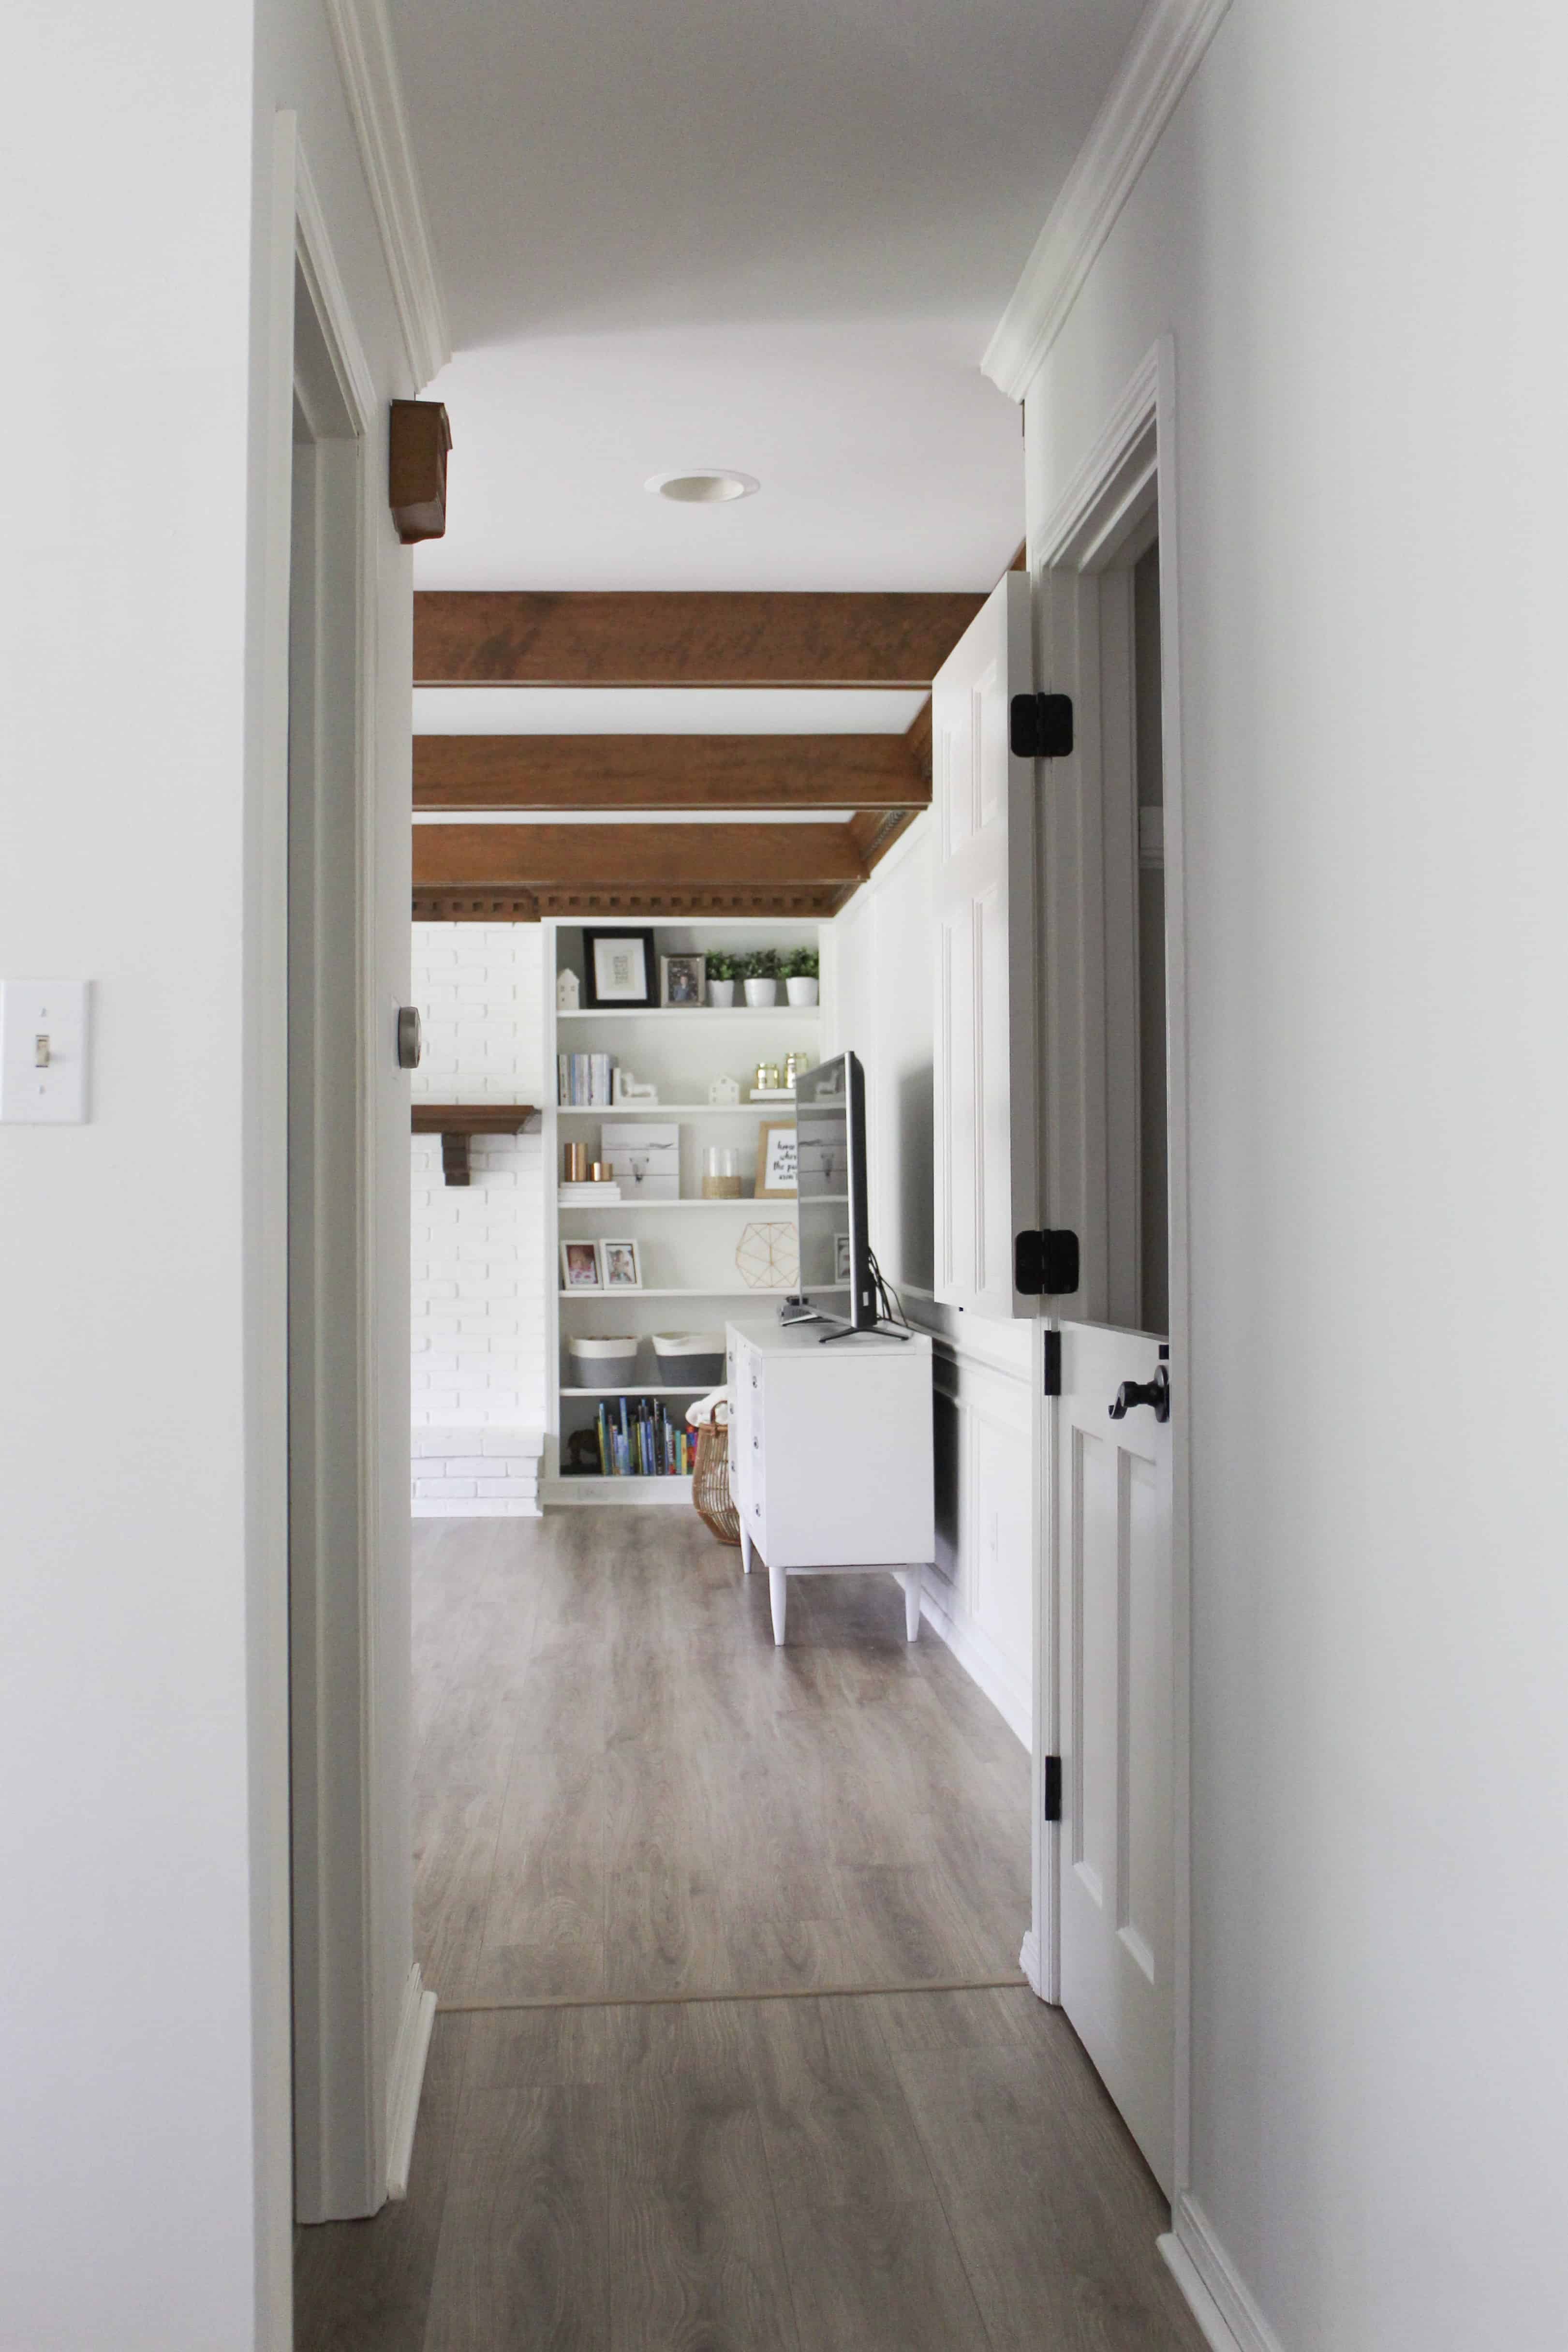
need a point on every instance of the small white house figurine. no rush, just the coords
(724, 1090)
(625, 1086)
(568, 991)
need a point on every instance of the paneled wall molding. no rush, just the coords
(1165, 54)
(368, 64)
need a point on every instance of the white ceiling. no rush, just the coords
(776, 237)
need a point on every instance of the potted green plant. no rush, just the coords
(721, 979)
(761, 974)
(800, 969)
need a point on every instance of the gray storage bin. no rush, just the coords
(690, 1358)
(602, 1363)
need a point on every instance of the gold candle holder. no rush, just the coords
(576, 1163)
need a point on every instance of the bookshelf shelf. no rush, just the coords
(692, 1013)
(670, 1110)
(666, 1208)
(688, 1290)
(636, 1388)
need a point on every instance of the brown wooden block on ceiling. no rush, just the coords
(539, 637)
(669, 772)
(536, 857)
(418, 441)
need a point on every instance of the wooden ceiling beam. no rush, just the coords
(667, 772)
(677, 637)
(537, 859)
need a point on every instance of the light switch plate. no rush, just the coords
(43, 1052)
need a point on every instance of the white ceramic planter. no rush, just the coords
(762, 993)
(801, 991)
(721, 994)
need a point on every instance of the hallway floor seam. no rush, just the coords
(1017, 1983)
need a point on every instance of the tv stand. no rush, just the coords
(830, 1457)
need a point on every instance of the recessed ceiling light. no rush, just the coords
(705, 486)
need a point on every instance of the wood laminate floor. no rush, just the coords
(647, 1845)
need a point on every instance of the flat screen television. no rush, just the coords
(836, 1280)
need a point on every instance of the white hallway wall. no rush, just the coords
(978, 1595)
(143, 2146)
(1352, 228)
(478, 1254)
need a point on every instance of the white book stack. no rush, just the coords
(573, 1196)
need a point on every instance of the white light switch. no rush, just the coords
(43, 1051)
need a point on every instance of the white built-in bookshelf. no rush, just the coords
(687, 1247)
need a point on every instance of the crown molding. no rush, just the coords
(368, 64)
(1165, 54)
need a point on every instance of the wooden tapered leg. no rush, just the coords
(778, 1597)
(911, 1580)
(745, 1548)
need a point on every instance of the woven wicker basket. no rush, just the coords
(711, 1480)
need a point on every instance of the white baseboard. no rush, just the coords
(406, 2080)
(980, 1664)
(1200, 2302)
(1220, 2301)
(509, 1506)
(1029, 1961)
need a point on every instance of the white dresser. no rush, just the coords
(830, 1455)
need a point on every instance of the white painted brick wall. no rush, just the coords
(478, 1272)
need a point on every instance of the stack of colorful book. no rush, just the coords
(637, 1439)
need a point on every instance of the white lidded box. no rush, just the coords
(643, 1155)
(690, 1358)
(606, 1363)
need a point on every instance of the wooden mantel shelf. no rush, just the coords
(457, 1123)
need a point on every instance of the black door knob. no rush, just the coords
(1156, 1392)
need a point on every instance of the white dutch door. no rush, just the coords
(1108, 1112)
(1118, 1828)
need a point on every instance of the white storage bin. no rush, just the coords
(690, 1358)
(608, 1363)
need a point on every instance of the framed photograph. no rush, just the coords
(619, 967)
(776, 1163)
(682, 979)
(580, 1268)
(623, 1265)
(840, 1258)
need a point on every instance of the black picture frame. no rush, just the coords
(591, 996)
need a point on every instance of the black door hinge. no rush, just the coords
(1044, 1264)
(1053, 1340)
(1053, 1787)
(1039, 726)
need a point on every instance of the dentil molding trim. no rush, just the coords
(368, 64)
(1164, 55)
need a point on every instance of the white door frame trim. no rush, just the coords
(298, 243)
(352, 2159)
(1108, 490)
